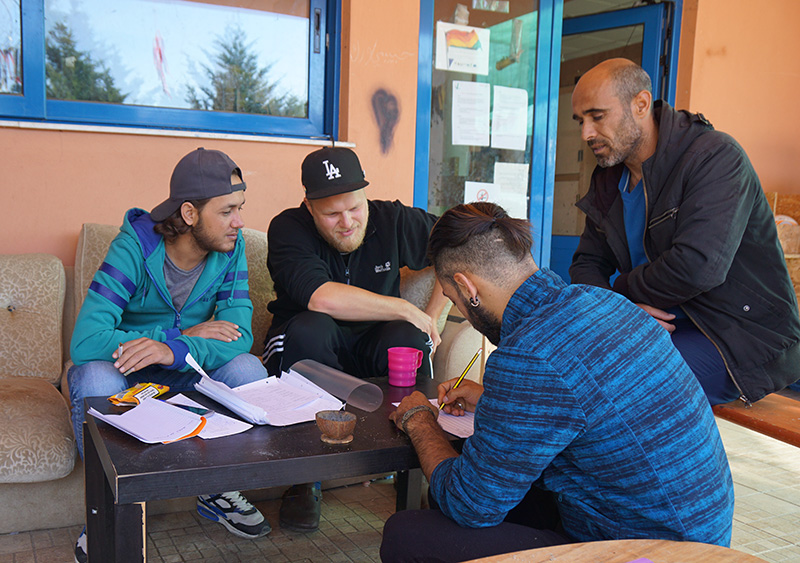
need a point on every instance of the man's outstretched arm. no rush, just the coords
(349, 303)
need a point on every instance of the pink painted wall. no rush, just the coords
(53, 181)
(744, 77)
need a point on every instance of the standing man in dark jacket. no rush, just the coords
(678, 210)
(335, 261)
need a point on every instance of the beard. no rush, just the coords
(205, 241)
(345, 245)
(629, 138)
(483, 321)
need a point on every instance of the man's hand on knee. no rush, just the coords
(140, 353)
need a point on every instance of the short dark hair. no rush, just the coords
(480, 238)
(629, 80)
(174, 225)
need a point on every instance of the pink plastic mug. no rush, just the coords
(403, 365)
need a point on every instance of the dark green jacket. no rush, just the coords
(712, 247)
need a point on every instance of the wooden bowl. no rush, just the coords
(336, 426)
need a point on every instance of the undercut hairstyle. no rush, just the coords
(629, 80)
(174, 225)
(482, 239)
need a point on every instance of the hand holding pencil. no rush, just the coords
(456, 402)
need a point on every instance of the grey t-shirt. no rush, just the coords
(181, 282)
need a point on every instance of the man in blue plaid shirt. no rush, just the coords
(588, 425)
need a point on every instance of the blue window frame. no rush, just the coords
(319, 119)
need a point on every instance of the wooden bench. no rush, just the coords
(625, 551)
(776, 415)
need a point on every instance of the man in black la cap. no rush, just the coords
(335, 261)
(174, 281)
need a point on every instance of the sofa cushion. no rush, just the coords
(261, 287)
(31, 306)
(36, 443)
(93, 243)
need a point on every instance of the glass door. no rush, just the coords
(485, 67)
(587, 40)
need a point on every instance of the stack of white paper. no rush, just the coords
(278, 402)
(153, 421)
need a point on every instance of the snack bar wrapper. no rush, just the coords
(138, 393)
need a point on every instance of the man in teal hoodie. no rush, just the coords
(174, 282)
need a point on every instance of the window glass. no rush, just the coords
(10, 47)
(180, 54)
(576, 8)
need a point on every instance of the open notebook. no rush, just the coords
(153, 421)
(293, 397)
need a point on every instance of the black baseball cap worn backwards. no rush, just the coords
(332, 171)
(201, 174)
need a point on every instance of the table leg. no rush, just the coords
(114, 533)
(409, 490)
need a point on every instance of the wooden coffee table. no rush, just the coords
(122, 474)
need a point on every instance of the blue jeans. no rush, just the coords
(705, 362)
(102, 379)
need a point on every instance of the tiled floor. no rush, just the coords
(767, 520)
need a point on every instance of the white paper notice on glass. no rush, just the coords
(512, 179)
(480, 191)
(509, 118)
(461, 48)
(470, 117)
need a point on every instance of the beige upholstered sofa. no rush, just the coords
(41, 478)
(38, 484)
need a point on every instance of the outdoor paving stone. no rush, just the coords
(165, 550)
(54, 554)
(14, 543)
(23, 558)
(366, 539)
(326, 546)
(41, 539)
(278, 558)
(163, 542)
(346, 529)
(343, 543)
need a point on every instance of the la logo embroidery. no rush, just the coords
(331, 170)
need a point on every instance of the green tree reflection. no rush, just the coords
(237, 84)
(73, 74)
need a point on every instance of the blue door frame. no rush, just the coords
(659, 58)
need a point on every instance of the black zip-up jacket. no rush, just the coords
(712, 247)
(300, 260)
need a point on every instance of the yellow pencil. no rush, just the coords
(466, 369)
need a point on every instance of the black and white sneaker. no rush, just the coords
(80, 548)
(234, 512)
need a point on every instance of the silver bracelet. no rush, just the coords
(411, 412)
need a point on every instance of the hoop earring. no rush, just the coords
(474, 301)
